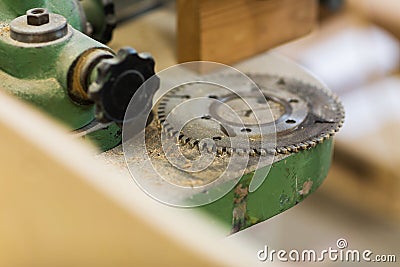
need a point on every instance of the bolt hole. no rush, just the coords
(38, 11)
(213, 96)
(245, 130)
(206, 117)
(290, 121)
(261, 100)
(293, 101)
(217, 138)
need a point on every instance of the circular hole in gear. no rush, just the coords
(249, 109)
(290, 121)
(245, 130)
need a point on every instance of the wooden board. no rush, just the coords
(227, 31)
(60, 207)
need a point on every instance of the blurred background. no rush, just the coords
(355, 50)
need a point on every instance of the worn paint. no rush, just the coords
(306, 187)
(279, 192)
(239, 213)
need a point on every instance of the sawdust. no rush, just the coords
(4, 29)
(157, 154)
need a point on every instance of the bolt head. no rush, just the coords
(38, 16)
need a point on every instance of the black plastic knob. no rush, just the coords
(118, 79)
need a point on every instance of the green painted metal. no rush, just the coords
(289, 181)
(94, 11)
(38, 73)
(107, 138)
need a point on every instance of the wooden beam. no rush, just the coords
(227, 31)
(60, 207)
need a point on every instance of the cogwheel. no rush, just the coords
(278, 116)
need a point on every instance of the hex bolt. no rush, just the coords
(38, 16)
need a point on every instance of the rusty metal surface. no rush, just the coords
(292, 176)
(301, 116)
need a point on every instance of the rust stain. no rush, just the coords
(239, 215)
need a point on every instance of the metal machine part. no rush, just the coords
(100, 19)
(38, 26)
(48, 61)
(305, 116)
(302, 115)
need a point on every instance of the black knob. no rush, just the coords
(118, 79)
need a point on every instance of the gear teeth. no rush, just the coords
(185, 140)
(324, 136)
(193, 143)
(283, 150)
(240, 151)
(203, 147)
(263, 152)
(168, 134)
(293, 149)
(211, 149)
(303, 146)
(208, 146)
(312, 142)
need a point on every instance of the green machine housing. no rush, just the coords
(51, 55)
